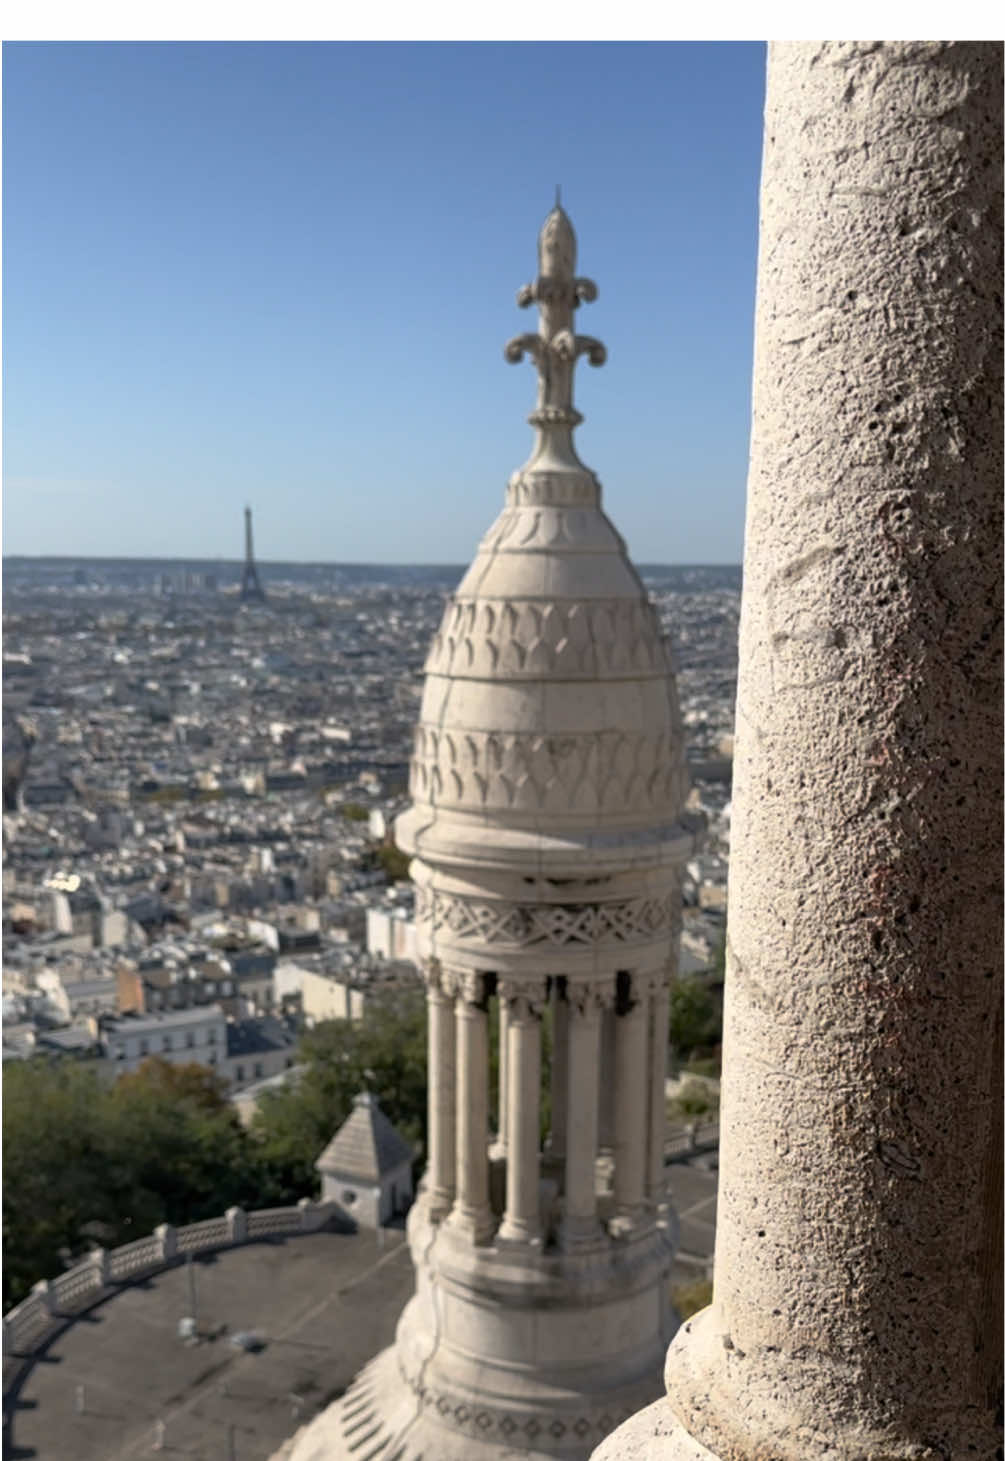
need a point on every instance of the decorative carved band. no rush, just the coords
(532, 638)
(595, 772)
(535, 488)
(516, 1429)
(523, 925)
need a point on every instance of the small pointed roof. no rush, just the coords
(366, 1145)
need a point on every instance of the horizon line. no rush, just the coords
(300, 562)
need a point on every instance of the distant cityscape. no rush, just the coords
(199, 795)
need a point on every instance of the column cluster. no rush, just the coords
(458, 1179)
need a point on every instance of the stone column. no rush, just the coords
(523, 1000)
(605, 1110)
(471, 1211)
(442, 1080)
(498, 1150)
(631, 1092)
(659, 1026)
(858, 1252)
(559, 1071)
(586, 1005)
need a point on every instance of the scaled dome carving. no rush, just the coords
(549, 712)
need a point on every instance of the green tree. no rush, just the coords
(394, 862)
(57, 1172)
(354, 812)
(82, 1158)
(384, 1052)
(188, 1155)
(695, 1016)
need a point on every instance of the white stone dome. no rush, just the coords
(549, 734)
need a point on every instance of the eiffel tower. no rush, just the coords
(252, 591)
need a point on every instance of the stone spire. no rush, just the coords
(556, 347)
(546, 831)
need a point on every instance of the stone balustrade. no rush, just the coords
(53, 1301)
(700, 1136)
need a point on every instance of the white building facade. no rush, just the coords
(182, 1037)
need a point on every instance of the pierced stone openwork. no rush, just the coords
(516, 925)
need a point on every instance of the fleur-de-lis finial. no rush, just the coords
(556, 347)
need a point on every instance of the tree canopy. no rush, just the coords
(384, 1053)
(695, 1017)
(89, 1162)
(86, 1160)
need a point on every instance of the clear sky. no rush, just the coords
(283, 274)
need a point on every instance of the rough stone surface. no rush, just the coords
(857, 1271)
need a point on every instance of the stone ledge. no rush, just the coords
(654, 1434)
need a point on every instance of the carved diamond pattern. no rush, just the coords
(521, 925)
(457, 1412)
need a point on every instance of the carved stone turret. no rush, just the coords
(546, 830)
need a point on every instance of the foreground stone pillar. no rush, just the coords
(857, 1266)
(471, 1212)
(442, 1103)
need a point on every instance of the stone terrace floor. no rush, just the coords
(323, 1304)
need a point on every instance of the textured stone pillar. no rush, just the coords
(442, 1078)
(659, 1027)
(631, 1091)
(559, 1071)
(579, 1222)
(471, 1211)
(523, 1000)
(858, 1253)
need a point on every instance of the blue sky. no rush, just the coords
(283, 274)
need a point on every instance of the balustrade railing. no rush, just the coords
(27, 1326)
(699, 1136)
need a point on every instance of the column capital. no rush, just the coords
(433, 973)
(591, 996)
(466, 985)
(524, 996)
(649, 983)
